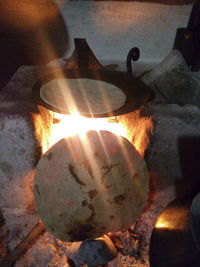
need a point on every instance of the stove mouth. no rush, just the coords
(75, 124)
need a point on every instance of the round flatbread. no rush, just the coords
(87, 187)
(82, 95)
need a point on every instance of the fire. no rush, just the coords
(163, 222)
(70, 125)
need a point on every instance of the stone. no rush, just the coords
(90, 251)
(181, 87)
(44, 252)
(174, 61)
(174, 150)
(24, 131)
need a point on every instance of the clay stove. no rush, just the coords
(163, 132)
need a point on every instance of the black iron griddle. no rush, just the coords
(87, 66)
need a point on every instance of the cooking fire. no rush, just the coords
(99, 162)
(70, 125)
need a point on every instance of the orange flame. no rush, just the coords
(74, 124)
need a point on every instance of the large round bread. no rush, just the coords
(86, 187)
(97, 97)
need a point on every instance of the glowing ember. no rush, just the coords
(164, 223)
(70, 125)
(161, 225)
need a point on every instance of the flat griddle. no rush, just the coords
(87, 66)
(136, 92)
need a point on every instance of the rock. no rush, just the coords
(173, 81)
(91, 251)
(182, 87)
(45, 253)
(174, 61)
(24, 131)
(173, 154)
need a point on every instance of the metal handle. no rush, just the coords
(134, 55)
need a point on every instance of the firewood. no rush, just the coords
(22, 247)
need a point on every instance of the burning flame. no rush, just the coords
(71, 125)
(164, 223)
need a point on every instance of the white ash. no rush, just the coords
(16, 163)
(134, 245)
(19, 225)
(44, 252)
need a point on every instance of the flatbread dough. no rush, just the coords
(87, 187)
(82, 95)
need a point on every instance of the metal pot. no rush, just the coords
(175, 239)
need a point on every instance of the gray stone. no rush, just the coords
(173, 154)
(173, 82)
(174, 61)
(44, 252)
(91, 252)
(24, 132)
(182, 87)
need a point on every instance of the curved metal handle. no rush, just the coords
(134, 55)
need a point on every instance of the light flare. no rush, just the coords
(75, 124)
(14, 13)
(162, 224)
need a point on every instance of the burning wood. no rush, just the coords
(22, 247)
